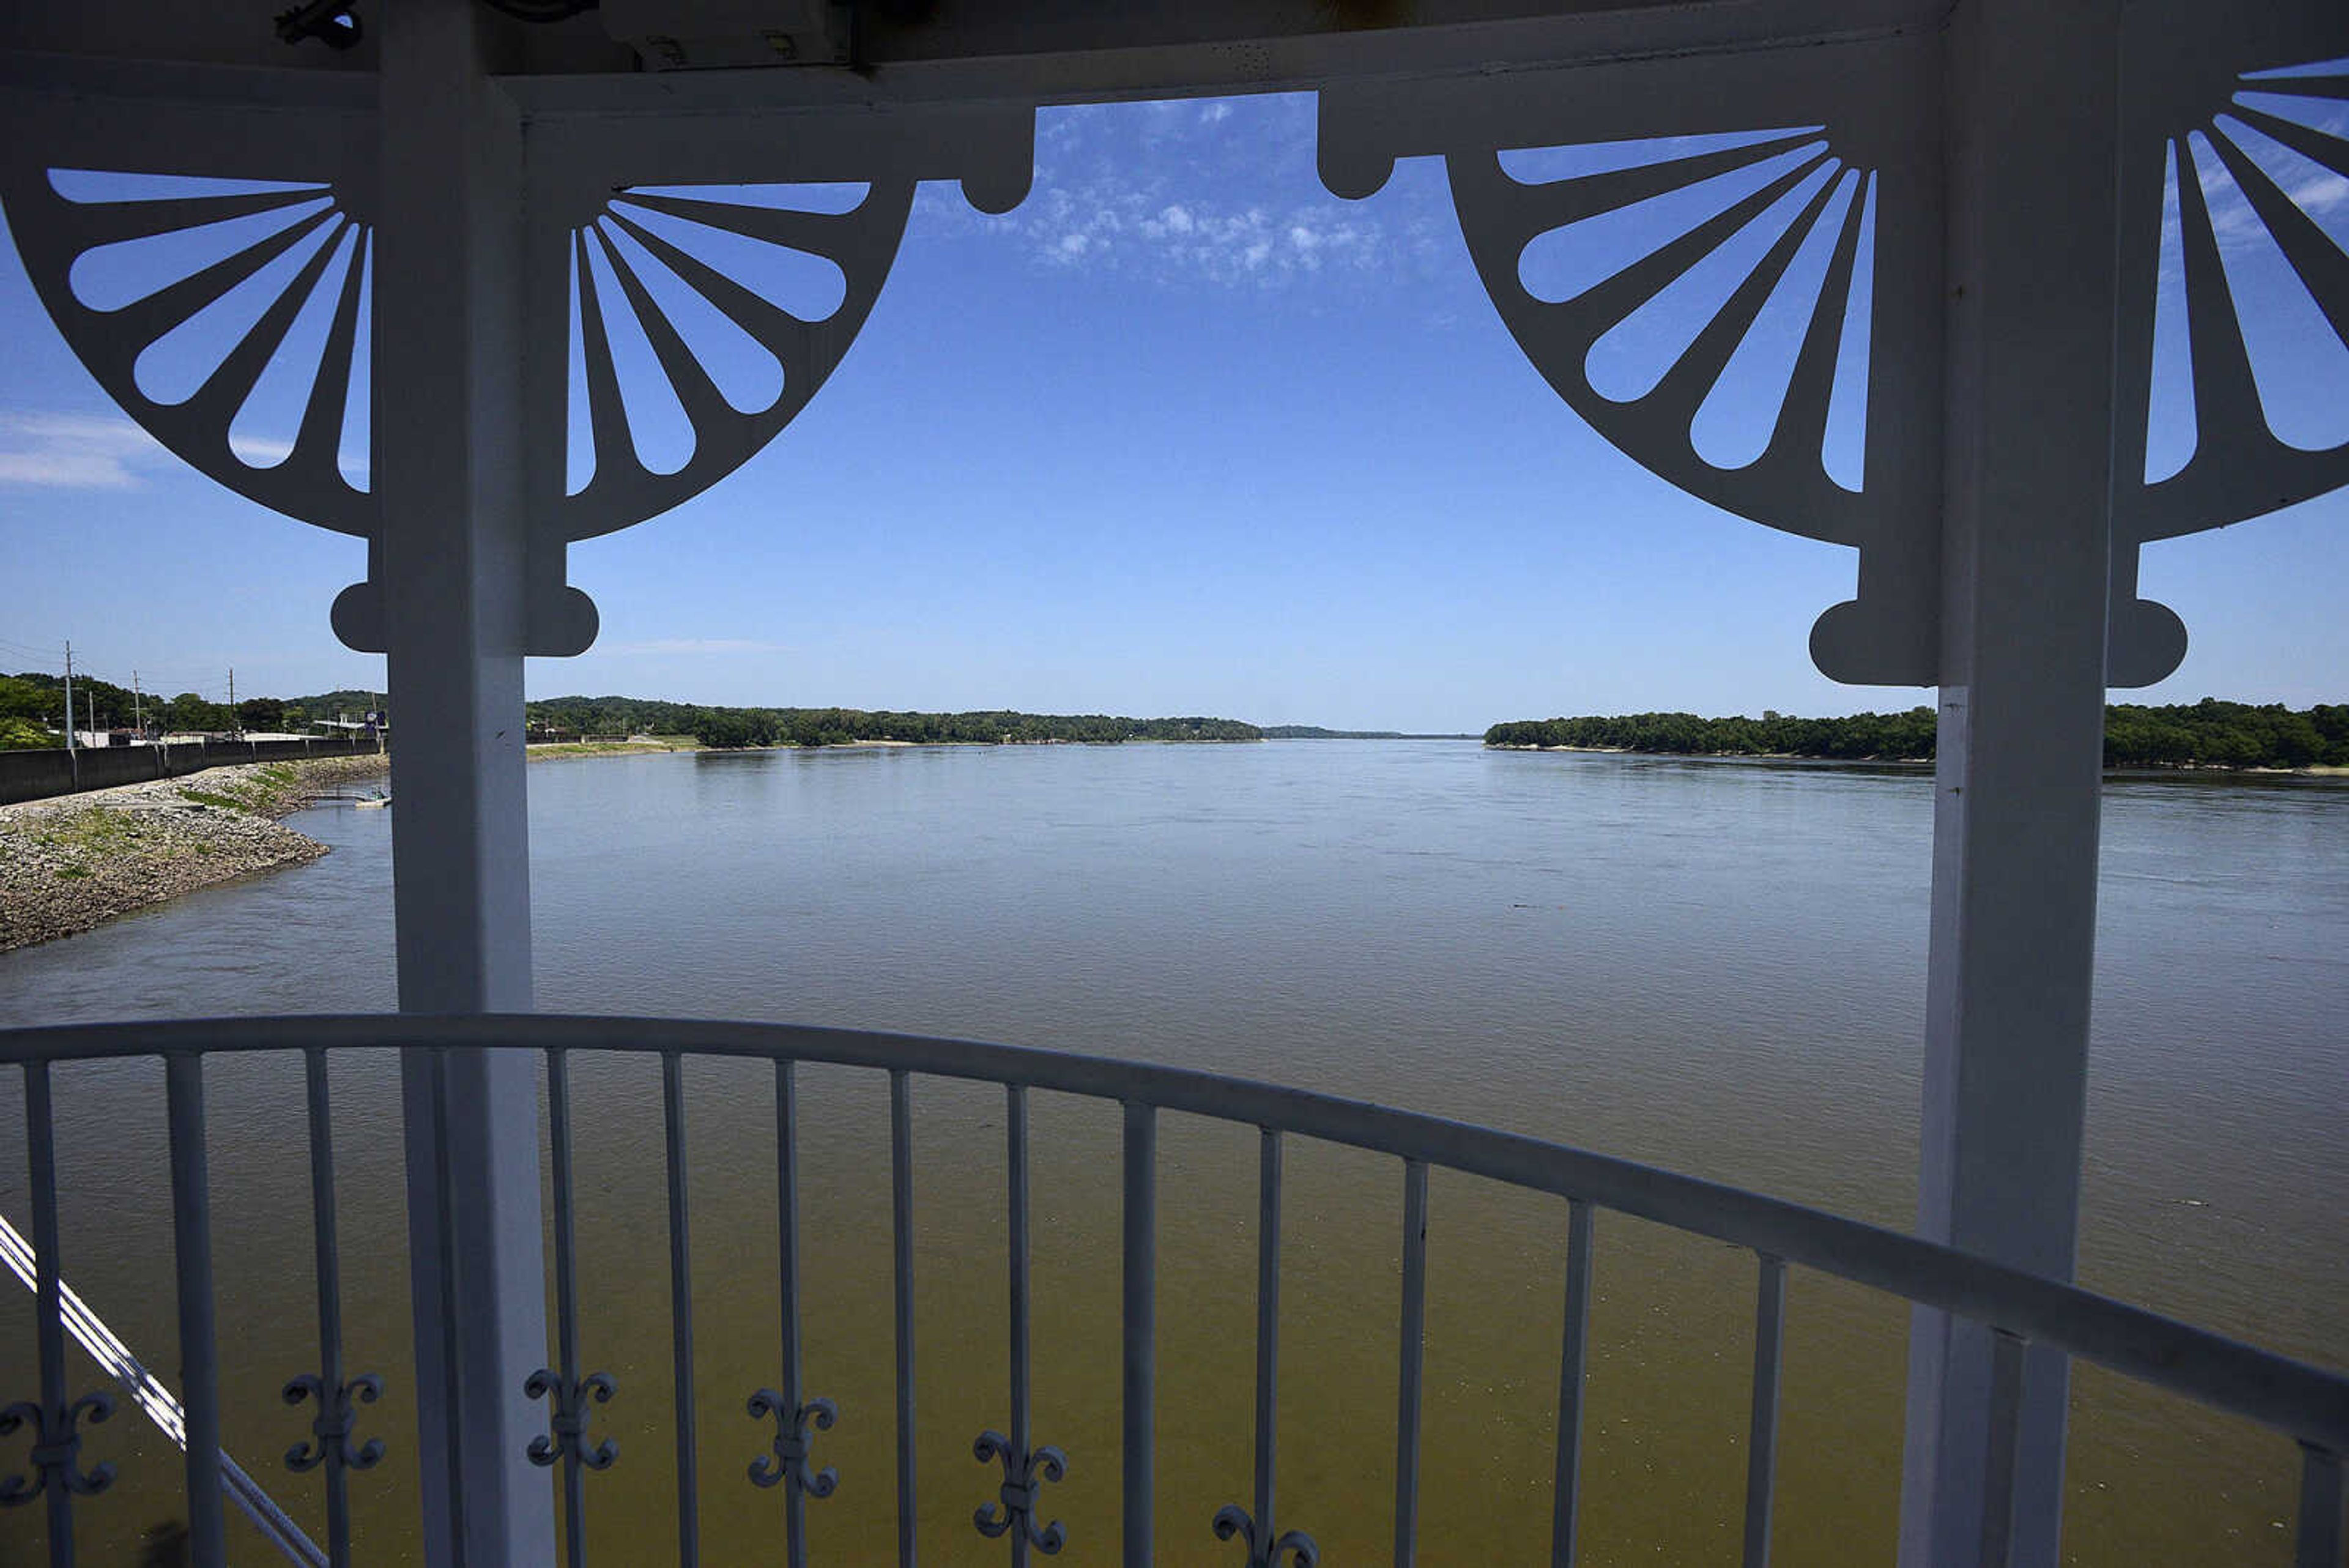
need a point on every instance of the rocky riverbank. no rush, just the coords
(75, 862)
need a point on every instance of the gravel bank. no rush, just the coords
(77, 861)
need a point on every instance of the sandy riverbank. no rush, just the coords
(72, 863)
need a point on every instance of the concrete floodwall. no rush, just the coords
(33, 775)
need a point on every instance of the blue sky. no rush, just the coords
(1183, 433)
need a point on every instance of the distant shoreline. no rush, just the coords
(2207, 736)
(943, 745)
(2119, 769)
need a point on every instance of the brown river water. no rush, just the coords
(1716, 967)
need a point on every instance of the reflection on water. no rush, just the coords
(1717, 967)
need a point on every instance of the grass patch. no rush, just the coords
(218, 802)
(96, 831)
(612, 748)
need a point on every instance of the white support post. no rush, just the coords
(2030, 232)
(448, 471)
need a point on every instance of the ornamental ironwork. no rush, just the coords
(794, 1435)
(330, 1441)
(567, 1417)
(1023, 1478)
(1264, 1549)
(56, 1448)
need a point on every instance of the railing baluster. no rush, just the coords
(332, 1426)
(330, 1299)
(1762, 1437)
(1025, 1467)
(569, 1391)
(452, 1294)
(681, 1306)
(901, 1233)
(192, 1239)
(787, 1465)
(1015, 1123)
(2007, 1359)
(1266, 1543)
(40, 1131)
(787, 1237)
(1141, 1297)
(57, 1442)
(1572, 1358)
(1015, 1163)
(48, 1301)
(1414, 1360)
(787, 1241)
(1267, 1326)
(2323, 1543)
(566, 1290)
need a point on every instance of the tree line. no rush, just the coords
(33, 710)
(2209, 734)
(734, 727)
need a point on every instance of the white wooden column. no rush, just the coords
(2030, 296)
(446, 466)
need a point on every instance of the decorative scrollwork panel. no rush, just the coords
(213, 269)
(197, 303)
(634, 275)
(1024, 1476)
(330, 1442)
(1266, 1550)
(2234, 354)
(794, 1437)
(567, 1417)
(56, 1448)
(1730, 268)
(1786, 212)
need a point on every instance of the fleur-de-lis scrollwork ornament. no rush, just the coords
(567, 1420)
(1233, 1519)
(792, 1440)
(57, 1444)
(331, 1430)
(1023, 1477)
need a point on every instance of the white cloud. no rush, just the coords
(260, 452)
(2320, 194)
(75, 451)
(1221, 193)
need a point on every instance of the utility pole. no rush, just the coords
(235, 724)
(69, 729)
(138, 712)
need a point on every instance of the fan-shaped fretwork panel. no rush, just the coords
(702, 321)
(1663, 298)
(2235, 395)
(228, 318)
(1730, 267)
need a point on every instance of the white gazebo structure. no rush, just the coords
(1992, 183)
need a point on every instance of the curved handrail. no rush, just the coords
(2309, 1403)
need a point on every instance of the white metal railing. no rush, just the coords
(2306, 1403)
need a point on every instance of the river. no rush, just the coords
(1715, 966)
